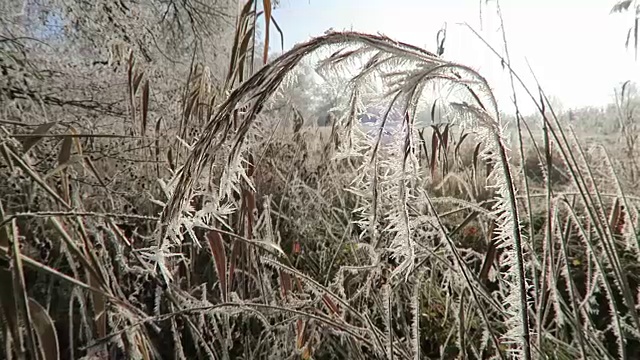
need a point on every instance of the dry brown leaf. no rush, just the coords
(45, 330)
(219, 255)
(172, 165)
(136, 81)
(31, 141)
(266, 4)
(145, 106)
(65, 150)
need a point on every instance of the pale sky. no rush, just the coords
(575, 47)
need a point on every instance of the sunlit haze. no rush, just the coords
(575, 48)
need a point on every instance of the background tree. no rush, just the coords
(632, 7)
